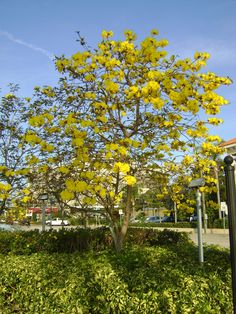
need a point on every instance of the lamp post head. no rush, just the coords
(196, 183)
(43, 197)
(228, 160)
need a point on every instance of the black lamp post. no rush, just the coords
(231, 202)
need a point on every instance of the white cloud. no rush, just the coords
(28, 45)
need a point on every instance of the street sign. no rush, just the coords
(224, 207)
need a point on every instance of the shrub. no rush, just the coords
(170, 237)
(73, 240)
(219, 223)
(139, 280)
(150, 236)
(183, 224)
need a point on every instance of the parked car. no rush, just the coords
(193, 218)
(153, 219)
(57, 222)
(7, 227)
(168, 219)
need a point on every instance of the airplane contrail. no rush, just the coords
(28, 45)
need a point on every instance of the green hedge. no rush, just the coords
(80, 240)
(218, 223)
(183, 224)
(166, 279)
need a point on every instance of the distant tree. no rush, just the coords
(13, 150)
(121, 110)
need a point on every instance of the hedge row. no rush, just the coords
(183, 224)
(218, 223)
(145, 280)
(80, 240)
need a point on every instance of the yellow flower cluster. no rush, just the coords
(48, 91)
(130, 180)
(111, 87)
(46, 146)
(209, 148)
(32, 138)
(215, 121)
(38, 121)
(187, 160)
(10, 96)
(202, 55)
(76, 186)
(64, 169)
(5, 187)
(61, 64)
(106, 34)
(121, 167)
(67, 195)
(213, 138)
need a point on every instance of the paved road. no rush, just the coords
(212, 238)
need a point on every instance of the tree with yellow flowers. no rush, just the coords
(120, 110)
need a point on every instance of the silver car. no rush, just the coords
(153, 219)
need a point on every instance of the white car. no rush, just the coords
(57, 222)
(193, 218)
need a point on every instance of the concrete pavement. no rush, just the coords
(212, 238)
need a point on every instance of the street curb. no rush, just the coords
(194, 230)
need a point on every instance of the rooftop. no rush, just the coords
(228, 143)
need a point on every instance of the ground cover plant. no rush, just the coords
(149, 277)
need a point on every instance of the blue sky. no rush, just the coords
(32, 31)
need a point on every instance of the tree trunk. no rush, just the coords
(119, 228)
(118, 237)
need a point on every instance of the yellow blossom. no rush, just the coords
(78, 142)
(130, 180)
(5, 187)
(106, 34)
(102, 192)
(215, 121)
(111, 87)
(122, 167)
(63, 169)
(67, 195)
(80, 186)
(154, 32)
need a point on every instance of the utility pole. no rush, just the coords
(196, 184)
(43, 197)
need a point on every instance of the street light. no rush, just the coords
(231, 203)
(43, 197)
(196, 184)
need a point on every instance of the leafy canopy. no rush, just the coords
(120, 110)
